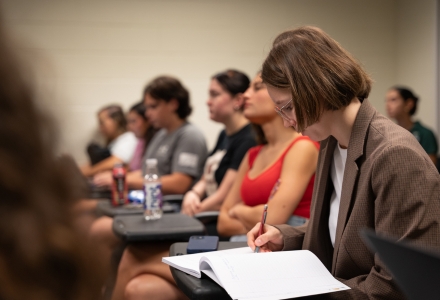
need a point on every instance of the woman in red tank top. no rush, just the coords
(279, 172)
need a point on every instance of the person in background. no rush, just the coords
(137, 123)
(371, 172)
(279, 172)
(179, 147)
(120, 143)
(43, 255)
(225, 105)
(401, 105)
(141, 273)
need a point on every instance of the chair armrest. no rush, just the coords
(207, 216)
(178, 198)
(172, 203)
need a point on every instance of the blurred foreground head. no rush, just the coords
(42, 256)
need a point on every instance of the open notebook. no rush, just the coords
(273, 275)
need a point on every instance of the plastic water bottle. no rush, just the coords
(119, 185)
(153, 192)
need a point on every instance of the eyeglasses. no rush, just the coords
(281, 112)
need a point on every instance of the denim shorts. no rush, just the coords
(293, 221)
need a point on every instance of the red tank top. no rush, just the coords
(257, 191)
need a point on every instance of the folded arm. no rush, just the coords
(104, 165)
(299, 165)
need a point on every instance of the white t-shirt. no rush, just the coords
(211, 165)
(337, 175)
(123, 146)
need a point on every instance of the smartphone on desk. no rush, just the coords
(202, 243)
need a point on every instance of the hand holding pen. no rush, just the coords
(263, 221)
(270, 240)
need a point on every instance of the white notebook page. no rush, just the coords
(273, 275)
(190, 263)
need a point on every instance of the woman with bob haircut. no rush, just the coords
(371, 172)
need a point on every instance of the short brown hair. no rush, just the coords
(166, 88)
(319, 72)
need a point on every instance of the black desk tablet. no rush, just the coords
(105, 208)
(178, 227)
(203, 288)
(100, 194)
(415, 270)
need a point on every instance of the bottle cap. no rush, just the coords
(151, 162)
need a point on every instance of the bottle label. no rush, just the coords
(119, 191)
(153, 195)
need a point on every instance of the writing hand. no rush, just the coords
(270, 240)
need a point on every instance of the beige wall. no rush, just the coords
(90, 53)
(417, 55)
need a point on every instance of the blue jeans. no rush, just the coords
(293, 221)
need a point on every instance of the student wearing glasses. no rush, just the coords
(371, 172)
(179, 147)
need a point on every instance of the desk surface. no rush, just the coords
(203, 288)
(105, 207)
(96, 192)
(177, 227)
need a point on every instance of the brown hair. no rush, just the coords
(319, 72)
(42, 256)
(116, 113)
(260, 137)
(140, 109)
(167, 88)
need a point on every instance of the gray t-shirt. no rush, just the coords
(183, 150)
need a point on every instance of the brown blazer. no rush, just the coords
(390, 185)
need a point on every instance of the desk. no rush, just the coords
(177, 227)
(100, 194)
(203, 288)
(107, 209)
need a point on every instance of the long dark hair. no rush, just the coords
(140, 109)
(42, 255)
